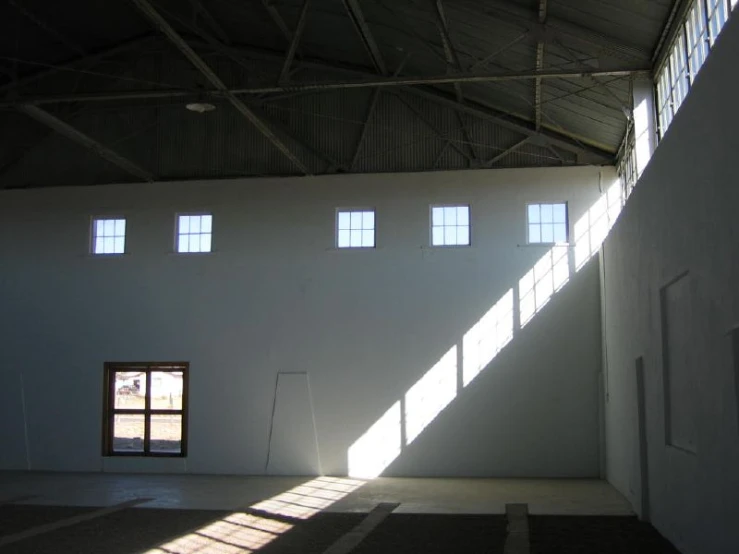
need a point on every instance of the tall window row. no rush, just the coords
(689, 49)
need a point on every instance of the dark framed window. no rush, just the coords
(145, 409)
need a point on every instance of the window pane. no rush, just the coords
(166, 390)
(560, 232)
(437, 216)
(99, 245)
(194, 224)
(184, 224)
(534, 233)
(546, 213)
(368, 238)
(437, 236)
(99, 227)
(450, 216)
(450, 235)
(129, 388)
(463, 235)
(119, 245)
(344, 220)
(206, 224)
(356, 238)
(559, 213)
(368, 220)
(547, 233)
(534, 213)
(463, 215)
(128, 433)
(120, 227)
(356, 220)
(343, 241)
(182, 243)
(108, 245)
(109, 228)
(166, 433)
(205, 243)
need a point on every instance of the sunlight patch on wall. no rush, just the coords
(430, 395)
(487, 337)
(592, 228)
(378, 447)
(539, 284)
(242, 532)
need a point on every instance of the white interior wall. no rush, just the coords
(682, 217)
(277, 297)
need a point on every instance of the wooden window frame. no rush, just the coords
(110, 411)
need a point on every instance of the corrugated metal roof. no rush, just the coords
(405, 132)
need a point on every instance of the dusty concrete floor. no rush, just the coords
(165, 514)
(441, 496)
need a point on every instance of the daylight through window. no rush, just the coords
(547, 223)
(145, 409)
(355, 229)
(108, 236)
(194, 233)
(450, 225)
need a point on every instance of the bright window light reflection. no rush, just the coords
(378, 447)
(243, 532)
(592, 228)
(537, 286)
(487, 337)
(430, 395)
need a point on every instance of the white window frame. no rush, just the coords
(687, 54)
(93, 234)
(178, 215)
(552, 223)
(350, 211)
(431, 226)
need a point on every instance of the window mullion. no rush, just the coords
(147, 413)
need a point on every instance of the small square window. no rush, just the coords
(547, 223)
(108, 236)
(450, 225)
(194, 233)
(355, 229)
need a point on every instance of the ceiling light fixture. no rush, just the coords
(200, 107)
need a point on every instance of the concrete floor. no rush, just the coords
(428, 496)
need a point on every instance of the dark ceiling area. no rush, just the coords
(155, 90)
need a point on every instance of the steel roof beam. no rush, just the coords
(76, 62)
(521, 17)
(383, 82)
(48, 28)
(212, 23)
(452, 59)
(587, 155)
(277, 18)
(167, 30)
(65, 129)
(360, 24)
(539, 65)
(285, 73)
(507, 151)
